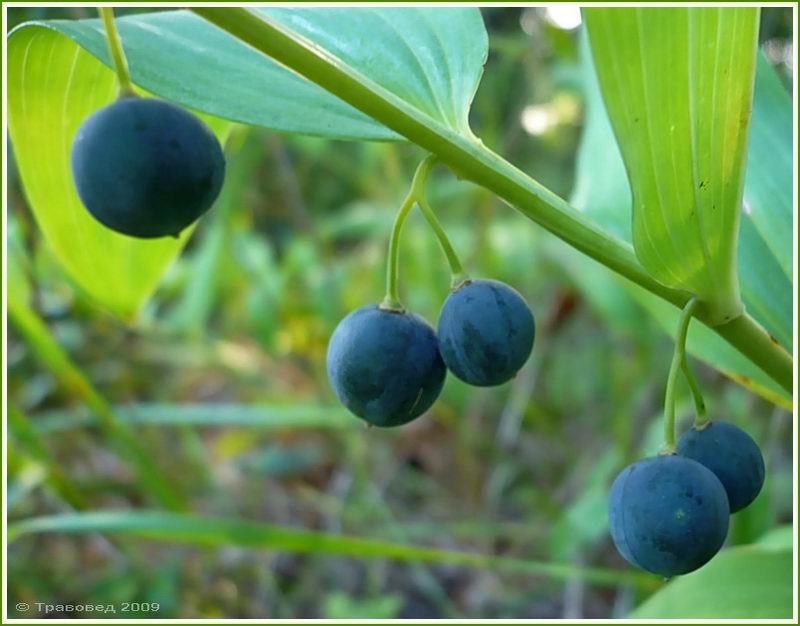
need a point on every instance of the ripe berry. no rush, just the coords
(486, 332)
(385, 365)
(732, 455)
(145, 167)
(668, 514)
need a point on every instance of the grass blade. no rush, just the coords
(22, 430)
(36, 334)
(209, 531)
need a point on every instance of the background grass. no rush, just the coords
(220, 388)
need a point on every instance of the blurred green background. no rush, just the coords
(236, 336)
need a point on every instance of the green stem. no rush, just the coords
(469, 158)
(678, 359)
(117, 53)
(700, 418)
(457, 273)
(391, 301)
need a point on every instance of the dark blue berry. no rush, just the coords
(385, 365)
(668, 514)
(732, 455)
(486, 332)
(145, 167)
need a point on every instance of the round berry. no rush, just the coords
(145, 167)
(668, 514)
(732, 455)
(486, 332)
(384, 365)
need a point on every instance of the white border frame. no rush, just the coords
(100, 620)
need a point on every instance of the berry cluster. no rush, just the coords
(387, 365)
(669, 514)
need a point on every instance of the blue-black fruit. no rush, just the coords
(385, 365)
(668, 514)
(732, 455)
(145, 167)
(486, 332)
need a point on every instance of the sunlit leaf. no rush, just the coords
(601, 190)
(747, 582)
(53, 86)
(678, 85)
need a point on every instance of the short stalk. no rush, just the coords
(391, 302)
(117, 52)
(392, 299)
(678, 360)
(700, 417)
(457, 273)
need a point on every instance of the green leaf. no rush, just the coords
(765, 238)
(53, 86)
(780, 538)
(602, 191)
(25, 434)
(768, 197)
(432, 59)
(678, 86)
(740, 583)
(195, 529)
(766, 290)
